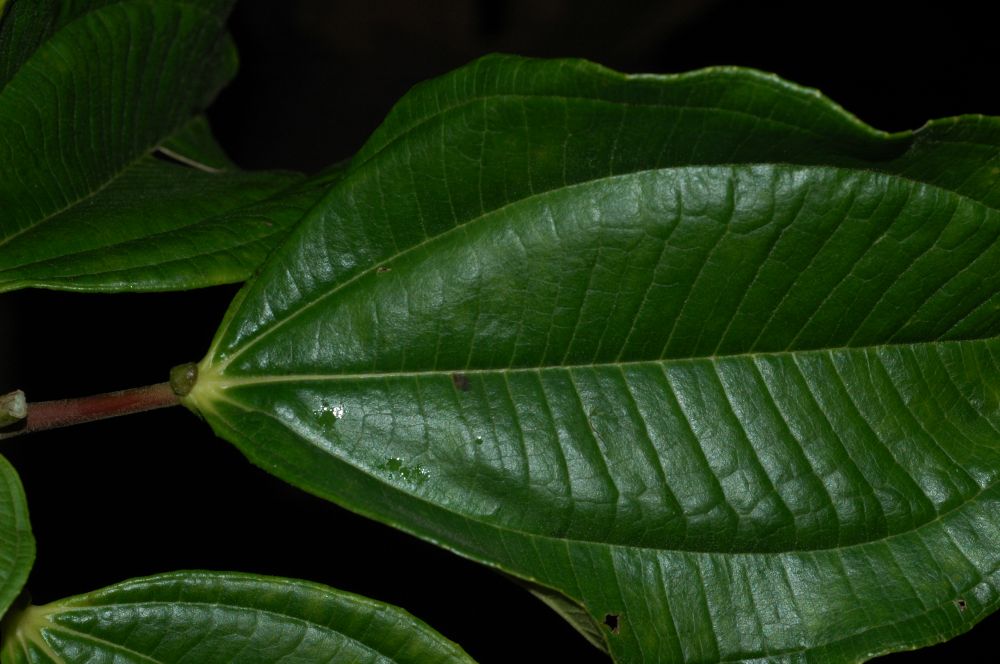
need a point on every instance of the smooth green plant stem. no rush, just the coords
(44, 415)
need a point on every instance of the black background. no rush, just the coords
(157, 492)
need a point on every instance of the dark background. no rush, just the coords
(158, 492)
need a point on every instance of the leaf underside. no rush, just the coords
(111, 182)
(222, 617)
(702, 353)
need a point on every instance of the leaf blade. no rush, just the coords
(17, 544)
(214, 616)
(650, 355)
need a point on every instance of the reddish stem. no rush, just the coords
(44, 415)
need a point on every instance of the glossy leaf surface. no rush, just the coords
(222, 617)
(109, 182)
(701, 353)
(17, 544)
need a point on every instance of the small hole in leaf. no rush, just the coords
(960, 603)
(611, 620)
(461, 381)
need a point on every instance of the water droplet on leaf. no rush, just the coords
(397, 469)
(328, 415)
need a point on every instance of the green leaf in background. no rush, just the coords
(222, 617)
(110, 182)
(17, 545)
(702, 354)
(29, 23)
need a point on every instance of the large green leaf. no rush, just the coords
(17, 545)
(109, 181)
(221, 617)
(702, 354)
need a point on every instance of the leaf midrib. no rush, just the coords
(59, 610)
(219, 394)
(222, 381)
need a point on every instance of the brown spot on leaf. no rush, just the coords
(461, 381)
(382, 269)
(611, 620)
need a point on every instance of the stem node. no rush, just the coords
(13, 408)
(183, 378)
